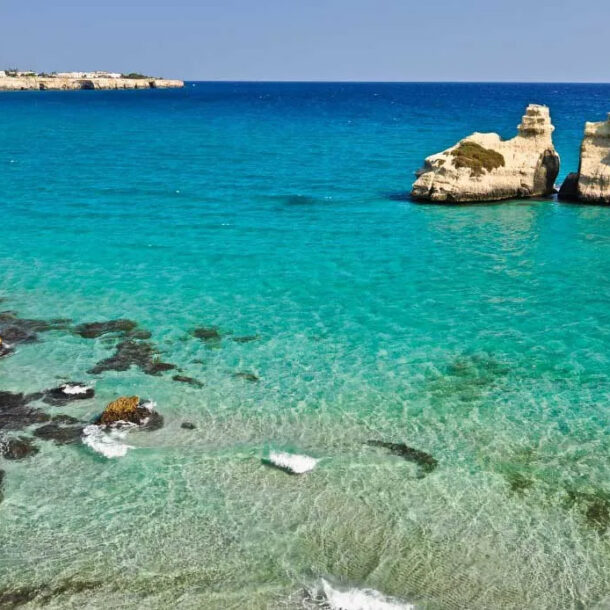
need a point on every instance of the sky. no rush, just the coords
(319, 40)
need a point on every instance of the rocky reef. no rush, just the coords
(131, 410)
(43, 83)
(591, 184)
(483, 167)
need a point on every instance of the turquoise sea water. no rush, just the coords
(479, 334)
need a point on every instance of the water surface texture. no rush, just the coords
(479, 335)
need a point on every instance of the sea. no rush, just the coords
(447, 367)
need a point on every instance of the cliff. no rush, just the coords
(591, 184)
(26, 83)
(483, 167)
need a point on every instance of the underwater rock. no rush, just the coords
(133, 353)
(62, 435)
(64, 419)
(209, 334)
(483, 167)
(246, 338)
(15, 412)
(351, 598)
(93, 330)
(424, 460)
(67, 392)
(1, 486)
(5, 348)
(187, 425)
(292, 463)
(43, 595)
(591, 184)
(594, 506)
(190, 380)
(518, 482)
(247, 376)
(17, 448)
(15, 330)
(131, 410)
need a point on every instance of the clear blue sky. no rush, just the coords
(400, 40)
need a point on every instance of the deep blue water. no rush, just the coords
(478, 334)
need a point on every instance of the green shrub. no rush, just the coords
(477, 158)
(135, 75)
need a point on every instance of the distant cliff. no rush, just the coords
(60, 83)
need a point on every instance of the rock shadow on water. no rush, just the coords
(398, 196)
(128, 353)
(426, 462)
(298, 200)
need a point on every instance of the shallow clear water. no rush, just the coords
(479, 334)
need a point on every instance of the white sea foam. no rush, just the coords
(108, 442)
(74, 389)
(360, 599)
(293, 462)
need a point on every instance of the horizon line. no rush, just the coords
(396, 82)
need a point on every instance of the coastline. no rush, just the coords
(53, 83)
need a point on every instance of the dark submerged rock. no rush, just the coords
(133, 353)
(5, 348)
(246, 338)
(67, 392)
(62, 435)
(518, 482)
(17, 448)
(15, 330)
(1, 485)
(64, 419)
(16, 598)
(190, 380)
(207, 334)
(424, 460)
(15, 412)
(187, 425)
(594, 506)
(140, 333)
(247, 376)
(93, 330)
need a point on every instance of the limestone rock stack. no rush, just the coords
(591, 184)
(483, 167)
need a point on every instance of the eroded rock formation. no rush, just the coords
(591, 184)
(483, 167)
